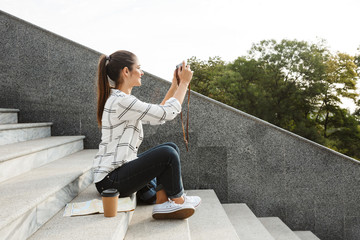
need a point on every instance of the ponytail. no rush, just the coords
(110, 67)
(103, 89)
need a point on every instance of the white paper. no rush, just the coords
(96, 206)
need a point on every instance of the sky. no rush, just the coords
(162, 33)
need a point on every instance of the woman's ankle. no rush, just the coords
(160, 201)
(179, 200)
(161, 197)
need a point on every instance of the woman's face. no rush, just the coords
(136, 74)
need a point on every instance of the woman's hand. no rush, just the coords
(185, 74)
(174, 86)
(174, 83)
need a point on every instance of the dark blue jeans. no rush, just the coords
(162, 162)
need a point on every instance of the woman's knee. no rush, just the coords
(172, 154)
(174, 146)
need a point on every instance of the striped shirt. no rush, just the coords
(122, 131)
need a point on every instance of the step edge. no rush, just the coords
(221, 209)
(43, 200)
(288, 229)
(148, 221)
(120, 229)
(9, 157)
(37, 201)
(9, 110)
(10, 126)
(45, 196)
(253, 216)
(310, 232)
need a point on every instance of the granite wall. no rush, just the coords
(243, 158)
(48, 78)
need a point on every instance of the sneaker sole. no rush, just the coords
(180, 214)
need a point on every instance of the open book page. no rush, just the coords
(124, 205)
(85, 208)
(96, 206)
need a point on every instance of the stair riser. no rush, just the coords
(246, 224)
(278, 229)
(6, 118)
(20, 165)
(23, 134)
(144, 227)
(94, 226)
(24, 226)
(306, 235)
(210, 221)
(121, 231)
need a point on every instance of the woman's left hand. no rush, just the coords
(174, 83)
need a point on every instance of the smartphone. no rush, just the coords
(179, 66)
(177, 74)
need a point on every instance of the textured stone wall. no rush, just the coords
(242, 158)
(48, 78)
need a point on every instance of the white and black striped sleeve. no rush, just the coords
(131, 108)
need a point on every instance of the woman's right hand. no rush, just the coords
(185, 74)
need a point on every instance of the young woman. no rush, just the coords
(120, 116)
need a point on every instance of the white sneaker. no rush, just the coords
(192, 200)
(172, 210)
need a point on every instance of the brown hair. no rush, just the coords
(111, 67)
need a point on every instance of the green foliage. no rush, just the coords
(292, 84)
(344, 133)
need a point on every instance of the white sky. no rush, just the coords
(164, 32)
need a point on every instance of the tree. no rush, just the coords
(295, 70)
(344, 133)
(357, 62)
(205, 74)
(292, 84)
(339, 81)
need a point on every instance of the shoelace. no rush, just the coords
(188, 199)
(171, 203)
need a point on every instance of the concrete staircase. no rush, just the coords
(39, 174)
(212, 220)
(94, 226)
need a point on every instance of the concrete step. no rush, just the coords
(31, 199)
(210, 220)
(20, 132)
(18, 158)
(89, 227)
(278, 229)
(246, 224)
(144, 227)
(306, 235)
(8, 115)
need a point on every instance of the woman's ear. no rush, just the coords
(125, 71)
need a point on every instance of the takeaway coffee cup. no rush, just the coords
(110, 202)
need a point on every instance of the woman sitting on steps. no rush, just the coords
(120, 116)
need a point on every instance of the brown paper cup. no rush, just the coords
(110, 202)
